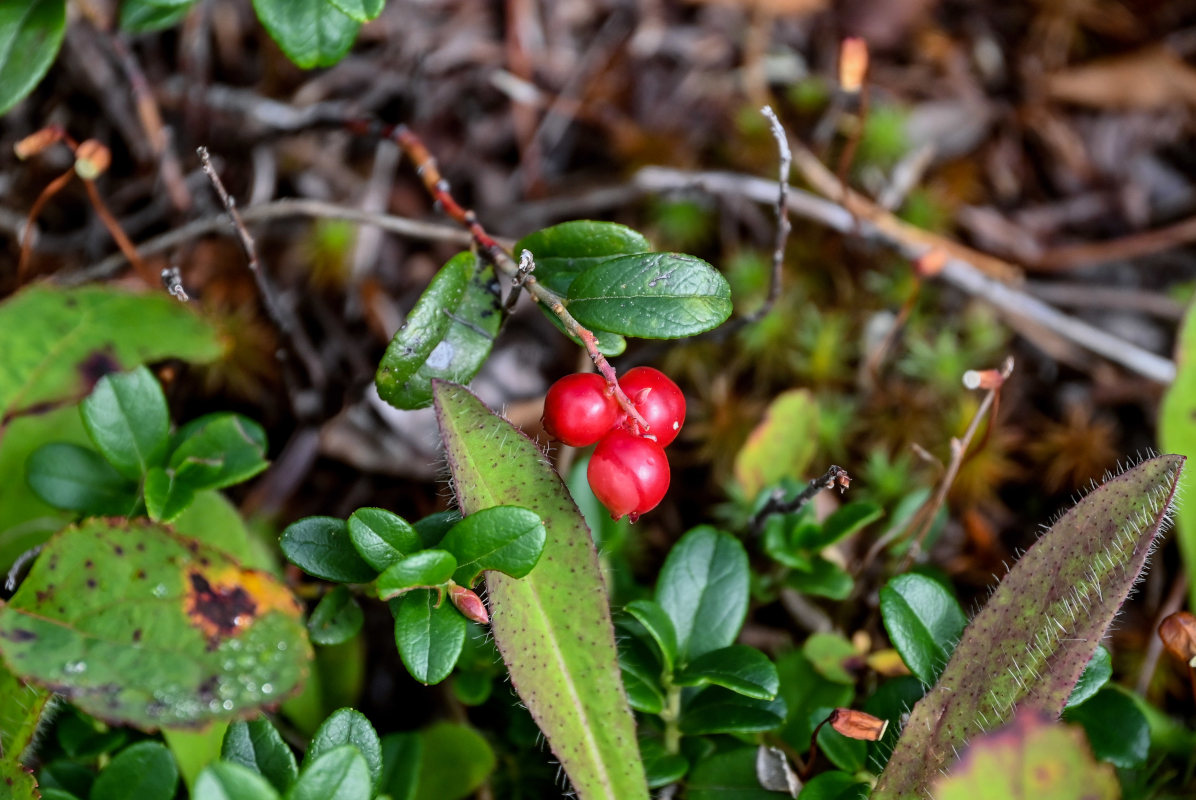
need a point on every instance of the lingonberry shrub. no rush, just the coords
(579, 409)
(629, 474)
(658, 399)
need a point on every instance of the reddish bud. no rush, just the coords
(36, 142)
(1178, 632)
(858, 724)
(930, 263)
(92, 160)
(853, 63)
(469, 604)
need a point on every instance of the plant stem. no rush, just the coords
(438, 188)
(671, 715)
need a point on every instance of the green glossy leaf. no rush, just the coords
(432, 528)
(727, 776)
(552, 627)
(347, 726)
(48, 794)
(447, 335)
(651, 296)
(1095, 675)
(135, 624)
(382, 538)
(360, 10)
(30, 35)
(656, 622)
(1028, 646)
(609, 344)
(744, 670)
(23, 709)
(145, 16)
(57, 343)
(660, 766)
(128, 421)
(336, 619)
(165, 497)
(218, 450)
(224, 780)
(508, 539)
(143, 771)
(718, 710)
(341, 773)
(401, 757)
(845, 521)
(66, 775)
(258, 746)
(456, 761)
(1029, 758)
(824, 579)
(641, 675)
(1117, 730)
(83, 737)
(429, 636)
(829, 653)
(72, 477)
(923, 621)
(781, 445)
(423, 569)
(312, 33)
(320, 546)
(703, 587)
(834, 785)
(26, 520)
(564, 251)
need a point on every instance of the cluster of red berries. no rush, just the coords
(628, 471)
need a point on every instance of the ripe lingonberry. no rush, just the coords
(579, 409)
(629, 474)
(658, 399)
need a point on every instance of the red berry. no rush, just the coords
(579, 409)
(658, 399)
(629, 474)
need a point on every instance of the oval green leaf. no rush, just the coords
(258, 746)
(337, 618)
(703, 587)
(312, 33)
(718, 710)
(429, 637)
(144, 16)
(420, 570)
(341, 773)
(656, 621)
(224, 780)
(651, 296)
(1117, 729)
(143, 771)
(562, 252)
(30, 35)
(360, 10)
(508, 539)
(165, 497)
(78, 479)
(382, 538)
(348, 726)
(1095, 675)
(157, 630)
(744, 670)
(923, 621)
(218, 450)
(320, 546)
(456, 761)
(127, 419)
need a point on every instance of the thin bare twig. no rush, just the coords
(280, 315)
(783, 224)
(964, 268)
(489, 248)
(777, 504)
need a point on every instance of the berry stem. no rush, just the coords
(491, 250)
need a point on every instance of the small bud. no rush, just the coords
(36, 142)
(1178, 632)
(930, 263)
(92, 160)
(469, 604)
(858, 724)
(853, 64)
(983, 379)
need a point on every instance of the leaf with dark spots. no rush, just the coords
(172, 633)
